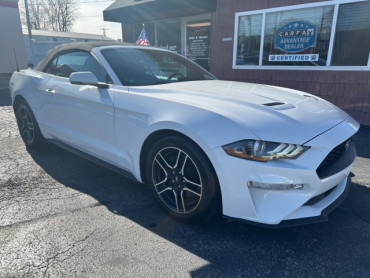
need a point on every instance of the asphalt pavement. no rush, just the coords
(63, 216)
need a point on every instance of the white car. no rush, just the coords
(259, 153)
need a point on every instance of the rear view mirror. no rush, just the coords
(86, 78)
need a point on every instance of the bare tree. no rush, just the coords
(56, 15)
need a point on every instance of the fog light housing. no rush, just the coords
(276, 186)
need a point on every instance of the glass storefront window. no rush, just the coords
(352, 35)
(169, 35)
(305, 36)
(298, 37)
(249, 39)
(198, 42)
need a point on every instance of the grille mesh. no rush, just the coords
(332, 158)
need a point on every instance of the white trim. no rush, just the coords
(300, 6)
(334, 3)
(332, 34)
(236, 28)
(155, 34)
(348, 68)
(262, 41)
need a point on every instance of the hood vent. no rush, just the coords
(279, 105)
(274, 103)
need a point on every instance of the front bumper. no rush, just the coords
(284, 207)
(343, 193)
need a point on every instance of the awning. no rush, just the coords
(137, 11)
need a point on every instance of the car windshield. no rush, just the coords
(142, 67)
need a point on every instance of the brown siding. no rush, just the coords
(349, 90)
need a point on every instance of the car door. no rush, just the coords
(81, 115)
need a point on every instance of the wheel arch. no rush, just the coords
(156, 135)
(159, 134)
(17, 99)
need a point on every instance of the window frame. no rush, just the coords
(57, 55)
(335, 3)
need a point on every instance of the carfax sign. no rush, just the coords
(295, 36)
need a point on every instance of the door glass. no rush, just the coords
(77, 62)
(197, 42)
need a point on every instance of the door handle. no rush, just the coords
(51, 91)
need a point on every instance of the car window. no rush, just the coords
(140, 67)
(51, 67)
(77, 62)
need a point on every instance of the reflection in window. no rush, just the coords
(249, 39)
(318, 19)
(142, 67)
(169, 35)
(352, 36)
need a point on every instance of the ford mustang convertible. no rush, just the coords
(259, 153)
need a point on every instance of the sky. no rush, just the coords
(90, 19)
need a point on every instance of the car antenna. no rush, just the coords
(15, 56)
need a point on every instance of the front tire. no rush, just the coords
(27, 124)
(182, 179)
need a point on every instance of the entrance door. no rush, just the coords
(197, 41)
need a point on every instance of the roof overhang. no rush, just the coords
(137, 11)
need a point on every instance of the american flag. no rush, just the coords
(143, 39)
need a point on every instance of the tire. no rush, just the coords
(27, 124)
(182, 180)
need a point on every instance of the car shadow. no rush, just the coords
(338, 247)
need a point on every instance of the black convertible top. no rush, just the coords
(83, 46)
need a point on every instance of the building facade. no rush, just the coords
(321, 47)
(12, 50)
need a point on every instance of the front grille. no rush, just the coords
(338, 159)
(335, 154)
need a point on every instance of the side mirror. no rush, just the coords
(86, 78)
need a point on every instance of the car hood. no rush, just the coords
(271, 113)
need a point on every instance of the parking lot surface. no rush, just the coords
(63, 216)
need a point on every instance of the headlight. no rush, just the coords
(263, 151)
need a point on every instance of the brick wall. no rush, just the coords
(350, 90)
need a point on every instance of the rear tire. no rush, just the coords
(27, 124)
(182, 180)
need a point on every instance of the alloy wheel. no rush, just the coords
(177, 180)
(25, 123)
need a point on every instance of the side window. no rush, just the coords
(79, 61)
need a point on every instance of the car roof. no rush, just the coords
(76, 46)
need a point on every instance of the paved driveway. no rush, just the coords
(62, 216)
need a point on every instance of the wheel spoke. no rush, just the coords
(164, 160)
(161, 182)
(191, 182)
(28, 135)
(177, 203)
(183, 165)
(164, 190)
(24, 131)
(177, 160)
(182, 200)
(160, 165)
(192, 191)
(22, 114)
(163, 163)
